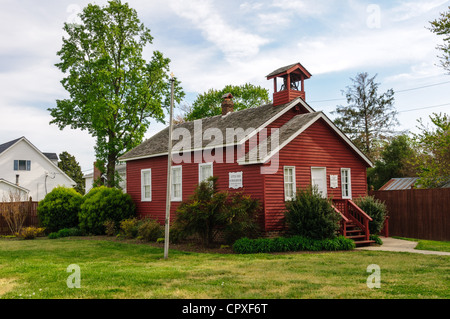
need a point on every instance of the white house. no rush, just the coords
(89, 178)
(25, 169)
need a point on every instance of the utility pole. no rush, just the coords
(169, 174)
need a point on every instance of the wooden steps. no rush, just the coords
(357, 235)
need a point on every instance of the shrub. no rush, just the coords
(294, 243)
(110, 227)
(376, 210)
(208, 212)
(150, 230)
(242, 213)
(59, 209)
(65, 232)
(129, 227)
(102, 204)
(30, 232)
(312, 216)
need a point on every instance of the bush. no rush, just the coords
(59, 209)
(312, 216)
(150, 230)
(103, 204)
(209, 212)
(294, 243)
(129, 227)
(110, 227)
(65, 232)
(30, 232)
(376, 210)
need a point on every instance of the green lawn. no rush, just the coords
(114, 269)
(424, 244)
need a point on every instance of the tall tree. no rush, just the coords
(113, 91)
(433, 145)
(244, 96)
(69, 165)
(442, 27)
(369, 118)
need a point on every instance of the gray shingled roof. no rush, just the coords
(51, 156)
(285, 132)
(246, 119)
(5, 146)
(281, 70)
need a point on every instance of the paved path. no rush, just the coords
(393, 244)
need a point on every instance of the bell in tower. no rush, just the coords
(293, 77)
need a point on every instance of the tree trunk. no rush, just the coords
(111, 170)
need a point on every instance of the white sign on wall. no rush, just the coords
(235, 180)
(333, 181)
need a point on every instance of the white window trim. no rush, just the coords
(349, 184)
(294, 186)
(177, 199)
(200, 170)
(143, 198)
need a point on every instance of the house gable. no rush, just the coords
(41, 174)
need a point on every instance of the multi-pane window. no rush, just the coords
(176, 183)
(289, 182)
(146, 185)
(205, 171)
(346, 183)
(22, 165)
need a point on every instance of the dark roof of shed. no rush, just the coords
(248, 119)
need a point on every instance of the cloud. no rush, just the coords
(234, 43)
(409, 10)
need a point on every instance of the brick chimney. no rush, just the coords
(227, 103)
(97, 175)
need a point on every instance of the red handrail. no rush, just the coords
(351, 211)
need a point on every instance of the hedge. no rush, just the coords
(294, 243)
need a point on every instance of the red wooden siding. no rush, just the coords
(286, 96)
(317, 146)
(252, 183)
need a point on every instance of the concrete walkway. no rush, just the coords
(393, 244)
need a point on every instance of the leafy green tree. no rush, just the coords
(244, 96)
(433, 145)
(369, 117)
(69, 165)
(442, 27)
(113, 91)
(394, 162)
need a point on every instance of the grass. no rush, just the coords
(114, 269)
(430, 244)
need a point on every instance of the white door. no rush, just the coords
(319, 179)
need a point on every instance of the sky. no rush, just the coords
(212, 43)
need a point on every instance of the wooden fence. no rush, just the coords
(418, 213)
(28, 207)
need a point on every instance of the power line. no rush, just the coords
(399, 91)
(423, 108)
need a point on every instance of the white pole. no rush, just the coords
(169, 176)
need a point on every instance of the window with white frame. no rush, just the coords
(146, 185)
(346, 183)
(22, 165)
(289, 183)
(205, 171)
(177, 187)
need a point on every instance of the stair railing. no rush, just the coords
(352, 212)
